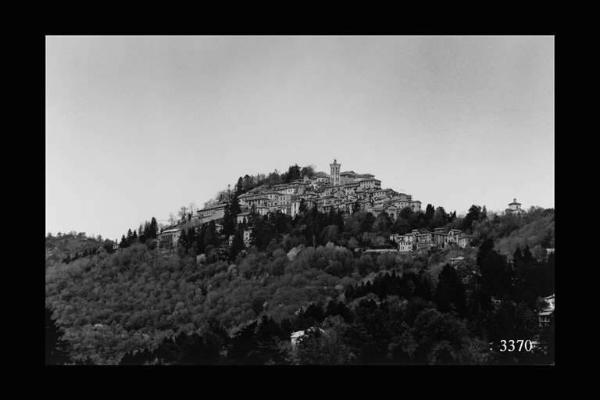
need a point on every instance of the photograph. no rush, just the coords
(314, 200)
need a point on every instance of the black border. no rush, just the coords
(232, 374)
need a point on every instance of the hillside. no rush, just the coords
(70, 246)
(170, 306)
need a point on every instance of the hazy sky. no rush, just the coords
(138, 126)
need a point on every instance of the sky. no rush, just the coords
(138, 126)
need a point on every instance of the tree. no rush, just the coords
(142, 232)
(450, 292)
(382, 224)
(228, 221)
(329, 234)
(56, 347)
(366, 223)
(496, 274)
(429, 213)
(440, 337)
(239, 186)
(307, 171)
(237, 244)
(323, 346)
(153, 229)
(473, 215)
(182, 213)
(440, 218)
(210, 235)
(186, 239)
(129, 237)
(293, 173)
(138, 357)
(248, 183)
(234, 206)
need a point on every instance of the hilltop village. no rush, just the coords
(346, 191)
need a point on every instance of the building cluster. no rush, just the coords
(424, 239)
(346, 191)
(340, 191)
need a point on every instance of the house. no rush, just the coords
(405, 242)
(168, 238)
(243, 217)
(405, 247)
(546, 313)
(298, 336)
(440, 237)
(247, 237)
(212, 213)
(392, 211)
(464, 240)
(376, 252)
(456, 260)
(453, 236)
(415, 205)
(424, 240)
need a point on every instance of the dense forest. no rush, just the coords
(212, 302)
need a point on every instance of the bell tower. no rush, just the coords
(335, 173)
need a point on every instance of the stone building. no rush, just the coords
(340, 191)
(514, 208)
(212, 213)
(335, 173)
(168, 238)
(425, 240)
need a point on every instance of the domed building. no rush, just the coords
(514, 208)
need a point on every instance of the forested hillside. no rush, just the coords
(142, 305)
(70, 246)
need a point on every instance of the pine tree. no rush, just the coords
(228, 220)
(239, 187)
(429, 213)
(237, 245)
(153, 229)
(210, 235)
(473, 215)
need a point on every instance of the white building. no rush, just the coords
(212, 213)
(298, 336)
(335, 173)
(169, 237)
(545, 315)
(514, 208)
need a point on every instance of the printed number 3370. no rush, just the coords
(515, 345)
